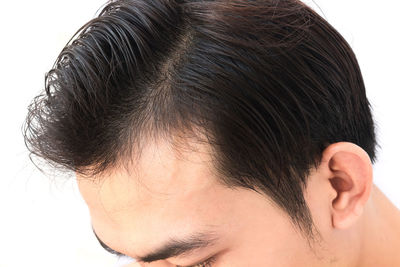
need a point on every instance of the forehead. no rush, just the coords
(165, 193)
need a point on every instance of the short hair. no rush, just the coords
(268, 84)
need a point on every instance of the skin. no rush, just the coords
(134, 209)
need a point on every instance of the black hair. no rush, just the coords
(269, 84)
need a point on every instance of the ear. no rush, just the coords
(350, 175)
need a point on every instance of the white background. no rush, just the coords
(43, 220)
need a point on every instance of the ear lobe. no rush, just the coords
(351, 177)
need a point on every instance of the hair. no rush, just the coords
(269, 84)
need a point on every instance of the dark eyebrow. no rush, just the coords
(172, 248)
(178, 247)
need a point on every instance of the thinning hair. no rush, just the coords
(269, 84)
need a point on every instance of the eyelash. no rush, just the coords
(206, 263)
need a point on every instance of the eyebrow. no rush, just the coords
(172, 248)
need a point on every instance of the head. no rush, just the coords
(238, 129)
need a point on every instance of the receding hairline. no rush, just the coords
(181, 142)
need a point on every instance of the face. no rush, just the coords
(171, 211)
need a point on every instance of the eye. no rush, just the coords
(207, 263)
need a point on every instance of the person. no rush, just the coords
(218, 133)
